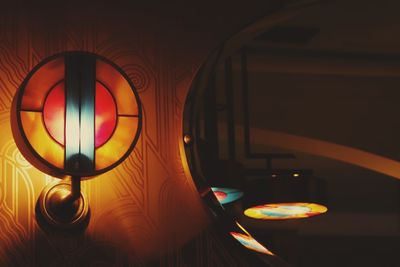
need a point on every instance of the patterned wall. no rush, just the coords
(147, 208)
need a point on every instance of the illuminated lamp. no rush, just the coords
(76, 115)
(285, 194)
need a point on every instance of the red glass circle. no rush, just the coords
(105, 114)
(54, 113)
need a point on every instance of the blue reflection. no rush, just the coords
(226, 195)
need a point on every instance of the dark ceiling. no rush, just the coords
(355, 25)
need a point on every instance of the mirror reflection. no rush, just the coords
(297, 134)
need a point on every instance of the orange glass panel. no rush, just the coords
(119, 87)
(118, 144)
(40, 140)
(40, 83)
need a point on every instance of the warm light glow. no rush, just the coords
(296, 175)
(226, 195)
(242, 228)
(41, 82)
(40, 140)
(119, 87)
(250, 243)
(283, 211)
(187, 139)
(54, 113)
(220, 195)
(118, 144)
(105, 114)
(79, 113)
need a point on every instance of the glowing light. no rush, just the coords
(79, 114)
(226, 195)
(119, 87)
(54, 113)
(118, 144)
(283, 211)
(42, 80)
(187, 139)
(250, 243)
(37, 135)
(296, 175)
(105, 114)
(242, 228)
(220, 195)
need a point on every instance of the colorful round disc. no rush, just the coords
(283, 211)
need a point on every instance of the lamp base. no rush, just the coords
(57, 210)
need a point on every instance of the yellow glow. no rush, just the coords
(242, 228)
(284, 211)
(119, 87)
(118, 144)
(39, 84)
(296, 175)
(40, 140)
(250, 243)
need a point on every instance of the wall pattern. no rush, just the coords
(146, 209)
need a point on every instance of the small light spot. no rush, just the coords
(187, 139)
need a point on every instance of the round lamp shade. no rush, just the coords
(76, 114)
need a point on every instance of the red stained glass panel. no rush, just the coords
(105, 114)
(54, 113)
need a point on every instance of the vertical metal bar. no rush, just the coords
(245, 99)
(230, 109)
(75, 187)
(72, 113)
(87, 114)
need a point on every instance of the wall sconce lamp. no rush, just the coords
(76, 115)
